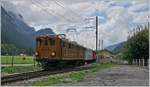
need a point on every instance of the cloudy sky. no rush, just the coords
(76, 18)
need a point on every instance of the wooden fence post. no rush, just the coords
(139, 62)
(143, 62)
(12, 61)
(148, 62)
(34, 60)
(133, 62)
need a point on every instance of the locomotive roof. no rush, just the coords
(63, 39)
(47, 35)
(72, 42)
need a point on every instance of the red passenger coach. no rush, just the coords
(94, 55)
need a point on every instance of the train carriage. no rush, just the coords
(89, 55)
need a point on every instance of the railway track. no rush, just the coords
(29, 75)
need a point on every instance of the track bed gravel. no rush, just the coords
(120, 75)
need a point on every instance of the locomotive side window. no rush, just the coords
(46, 42)
(69, 45)
(39, 42)
(63, 44)
(52, 42)
(72, 46)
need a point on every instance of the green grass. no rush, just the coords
(17, 60)
(65, 78)
(16, 69)
(75, 76)
(50, 81)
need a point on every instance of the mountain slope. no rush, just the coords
(14, 31)
(116, 48)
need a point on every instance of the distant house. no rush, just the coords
(105, 53)
(104, 56)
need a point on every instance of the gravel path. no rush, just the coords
(120, 75)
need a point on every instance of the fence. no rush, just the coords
(11, 60)
(104, 60)
(140, 62)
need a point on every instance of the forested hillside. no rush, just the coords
(116, 48)
(16, 36)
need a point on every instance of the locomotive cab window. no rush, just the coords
(63, 44)
(45, 42)
(52, 41)
(69, 45)
(38, 42)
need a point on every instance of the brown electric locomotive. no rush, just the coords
(55, 51)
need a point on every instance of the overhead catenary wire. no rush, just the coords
(49, 11)
(68, 19)
(35, 2)
(44, 10)
(61, 16)
(61, 4)
(66, 8)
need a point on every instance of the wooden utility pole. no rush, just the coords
(148, 23)
(96, 32)
(99, 44)
(102, 44)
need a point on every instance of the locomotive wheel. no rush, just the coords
(44, 64)
(50, 65)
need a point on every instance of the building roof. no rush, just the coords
(105, 50)
(105, 53)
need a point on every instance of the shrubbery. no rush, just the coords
(137, 46)
(11, 49)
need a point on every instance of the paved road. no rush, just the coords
(120, 75)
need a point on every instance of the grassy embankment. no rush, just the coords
(17, 60)
(18, 69)
(70, 77)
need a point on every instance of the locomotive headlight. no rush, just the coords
(53, 53)
(36, 53)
